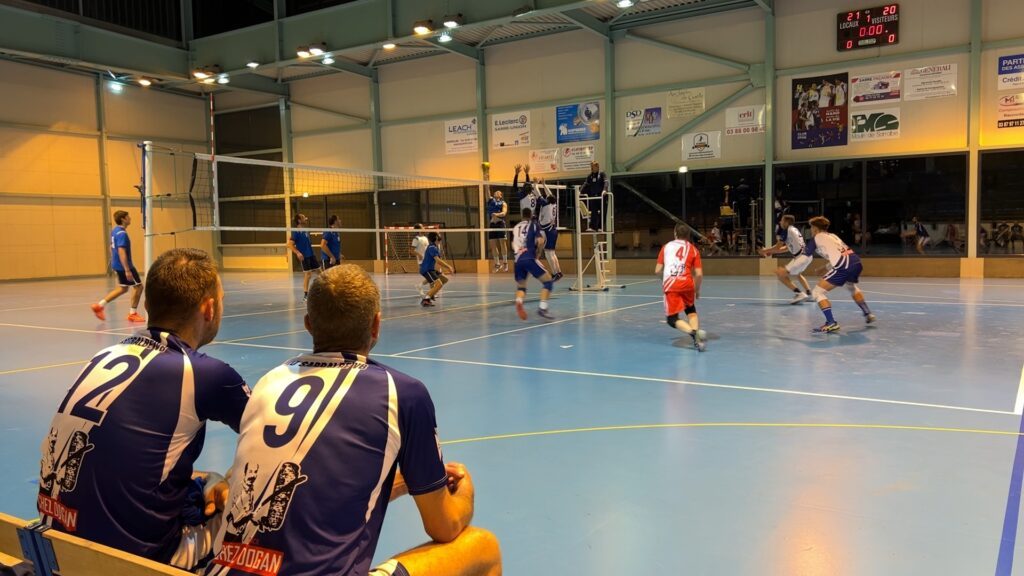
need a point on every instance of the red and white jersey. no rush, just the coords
(679, 258)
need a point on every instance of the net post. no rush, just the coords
(578, 234)
(147, 202)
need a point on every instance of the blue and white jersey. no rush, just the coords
(831, 248)
(333, 246)
(920, 230)
(547, 214)
(528, 198)
(301, 240)
(430, 256)
(793, 238)
(494, 209)
(117, 462)
(320, 443)
(524, 239)
(119, 239)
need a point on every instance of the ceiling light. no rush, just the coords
(145, 82)
(328, 60)
(683, 169)
(253, 64)
(210, 80)
(423, 27)
(624, 3)
(223, 79)
(453, 21)
(115, 87)
(302, 52)
(200, 74)
(388, 46)
(444, 37)
(317, 49)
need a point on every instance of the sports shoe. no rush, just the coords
(98, 311)
(426, 302)
(305, 296)
(521, 311)
(798, 298)
(135, 317)
(544, 313)
(700, 340)
(870, 318)
(827, 328)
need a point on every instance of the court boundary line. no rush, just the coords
(708, 385)
(1018, 406)
(33, 368)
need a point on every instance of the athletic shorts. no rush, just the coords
(390, 568)
(123, 280)
(327, 264)
(798, 264)
(849, 273)
(496, 234)
(677, 302)
(528, 266)
(551, 239)
(431, 275)
(309, 264)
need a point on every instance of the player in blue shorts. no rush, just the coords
(547, 218)
(117, 463)
(527, 242)
(329, 438)
(844, 270)
(497, 213)
(127, 275)
(920, 235)
(300, 245)
(330, 244)
(428, 269)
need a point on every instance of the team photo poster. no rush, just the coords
(820, 107)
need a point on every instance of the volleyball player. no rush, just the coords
(527, 241)
(428, 269)
(117, 464)
(920, 235)
(497, 212)
(127, 275)
(419, 247)
(548, 220)
(330, 244)
(527, 194)
(327, 441)
(301, 246)
(844, 270)
(791, 240)
(682, 275)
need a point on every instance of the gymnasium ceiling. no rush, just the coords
(353, 32)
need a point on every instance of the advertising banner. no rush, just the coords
(461, 136)
(875, 88)
(510, 130)
(643, 122)
(820, 107)
(702, 145)
(578, 122)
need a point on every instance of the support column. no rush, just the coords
(483, 140)
(972, 266)
(608, 125)
(287, 156)
(101, 125)
(769, 126)
(378, 158)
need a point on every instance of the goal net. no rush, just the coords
(400, 251)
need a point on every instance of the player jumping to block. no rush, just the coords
(548, 220)
(301, 246)
(791, 241)
(127, 275)
(679, 264)
(431, 257)
(527, 242)
(844, 270)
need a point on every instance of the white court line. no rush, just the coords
(485, 336)
(1018, 406)
(82, 304)
(703, 384)
(114, 332)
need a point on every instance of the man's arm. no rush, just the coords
(447, 511)
(445, 264)
(325, 250)
(698, 278)
(778, 248)
(291, 246)
(659, 268)
(122, 254)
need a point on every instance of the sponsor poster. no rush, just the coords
(744, 120)
(511, 130)
(702, 145)
(875, 124)
(875, 88)
(643, 122)
(544, 160)
(1011, 72)
(685, 104)
(578, 122)
(461, 136)
(1011, 111)
(820, 108)
(929, 82)
(576, 158)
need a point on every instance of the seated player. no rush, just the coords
(301, 246)
(497, 213)
(117, 465)
(548, 220)
(791, 241)
(527, 242)
(330, 244)
(328, 439)
(127, 275)
(682, 274)
(428, 269)
(844, 270)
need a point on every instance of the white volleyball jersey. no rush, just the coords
(548, 216)
(419, 245)
(831, 248)
(794, 241)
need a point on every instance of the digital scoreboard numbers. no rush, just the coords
(868, 28)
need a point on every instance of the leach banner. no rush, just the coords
(461, 136)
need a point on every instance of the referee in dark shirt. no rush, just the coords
(595, 184)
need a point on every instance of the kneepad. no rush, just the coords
(672, 320)
(549, 285)
(690, 310)
(819, 294)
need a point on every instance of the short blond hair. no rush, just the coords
(342, 304)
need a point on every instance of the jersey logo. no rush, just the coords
(63, 468)
(266, 513)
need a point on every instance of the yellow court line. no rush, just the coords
(15, 371)
(731, 425)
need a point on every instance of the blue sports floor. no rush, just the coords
(601, 443)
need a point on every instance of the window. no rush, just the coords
(302, 6)
(1001, 229)
(157, 17)
(830, 189)
(211, 17)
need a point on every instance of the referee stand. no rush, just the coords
(600, 261)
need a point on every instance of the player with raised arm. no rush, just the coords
(791, 240)
(330, 244)
(527, 194)
(548, 220)
(682, 274)
(127, 275)
(329, 438)
(527, 242)
(497, 214)
(428, 269)
(300, 245)
(844, 270)
(117, 464)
